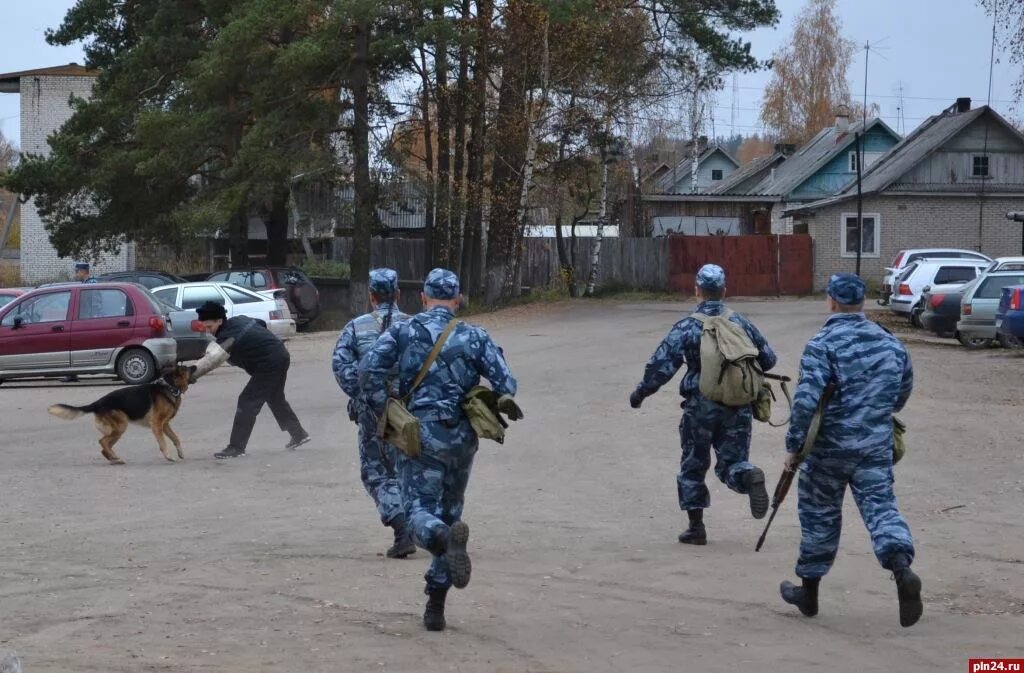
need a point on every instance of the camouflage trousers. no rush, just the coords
(706, 425)
(823, 482)
(378, 469)
(434, 487)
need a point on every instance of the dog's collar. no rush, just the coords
(172, 391)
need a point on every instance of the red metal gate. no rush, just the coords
(754, 266)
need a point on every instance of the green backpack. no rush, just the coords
(730, 373)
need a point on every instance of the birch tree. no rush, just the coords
(809, 75)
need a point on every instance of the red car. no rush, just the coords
(99, 328)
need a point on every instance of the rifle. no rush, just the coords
(786, 480)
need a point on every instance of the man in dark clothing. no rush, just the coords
(248, 344)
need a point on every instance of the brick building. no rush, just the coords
(950, 183)
(45, 95)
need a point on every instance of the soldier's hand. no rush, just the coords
(636, 398)
(507, 405)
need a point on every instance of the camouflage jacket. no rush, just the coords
(873, 377)
(355, 341)
(468, 354)
(682, 344)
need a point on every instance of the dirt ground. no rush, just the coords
(274, 562)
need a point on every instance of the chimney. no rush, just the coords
(963, 105)
(785, 149)
(842, 122)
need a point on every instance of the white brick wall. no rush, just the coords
(44, 108)
(915, 222)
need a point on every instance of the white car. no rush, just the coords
(236, 301)
(908, 287)
(905, 258)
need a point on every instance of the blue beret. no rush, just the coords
(847, 288)
(383, 282)
(711, 277)
(81, 266)
(441, 284)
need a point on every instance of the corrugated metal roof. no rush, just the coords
(813, 156)
(747, 172)
(927, 138)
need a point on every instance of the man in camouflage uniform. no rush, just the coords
(377, 459)
(873, 378)
(706, 424)
(434, 483)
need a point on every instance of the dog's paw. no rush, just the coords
(171, 459)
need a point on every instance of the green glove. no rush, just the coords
(508, 406)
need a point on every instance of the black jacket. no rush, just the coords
(255, 349)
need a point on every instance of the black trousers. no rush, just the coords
(264, 388)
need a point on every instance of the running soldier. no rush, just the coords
(706, 424)
(872, 377)
(434, 483)
(377, 459)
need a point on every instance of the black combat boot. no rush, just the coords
(453, 546)
(433, 616)
(754, 481)
(805, 597)
(404, 545)
(908, 589)
(695, 534)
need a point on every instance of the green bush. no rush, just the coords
(325, 268)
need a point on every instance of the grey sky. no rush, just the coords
(937, 49)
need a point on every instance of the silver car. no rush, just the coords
(977, 326)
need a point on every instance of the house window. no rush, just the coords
(979, 166)
(716, 174)
(850, 236)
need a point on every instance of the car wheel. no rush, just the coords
(136, 366)
(1009, 341)
(973, 342)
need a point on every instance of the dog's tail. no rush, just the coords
(68, 412)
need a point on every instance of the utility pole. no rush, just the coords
(860, 158)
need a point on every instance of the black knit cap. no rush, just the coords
(211, 310)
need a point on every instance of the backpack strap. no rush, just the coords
(438, 345)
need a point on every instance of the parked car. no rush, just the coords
(302, 296)
(905, 258)
(906, 297)
(1010, 317)
(103, 328)
(236, 300)
(9, 294)
(977, 325)
(148, 279)
(942, 308)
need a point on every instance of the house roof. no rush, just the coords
(665, 182)
(813, 156)
(926, 139)
(69, 70)
(755, 169)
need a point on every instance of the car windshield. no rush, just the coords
(992, 287)
(908, 272)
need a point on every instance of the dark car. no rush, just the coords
(147, 279)
(1010, 317)
(941, 311)
(300, 293)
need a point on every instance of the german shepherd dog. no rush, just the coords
(150, 404)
